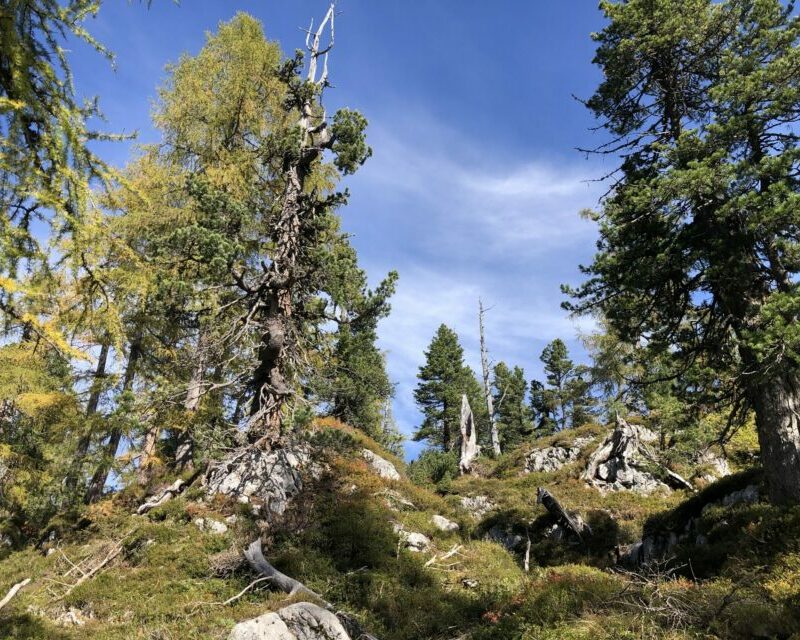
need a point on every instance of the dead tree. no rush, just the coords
(562, 518)
(487, 390)
(469, 437)
(277, 296)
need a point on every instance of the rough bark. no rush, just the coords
(184, 453)
(278, 347)
(469, 437)
(777, 406)
(487, 390)
(85, 441)
(98, 481)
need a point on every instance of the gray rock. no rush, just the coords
(266, 479)
(716, 466)
(748, 495)
(553, 458)
(477, 506)
(505, 537)
(381, 466)
(413, 541)
(301, 621)
(209, 525)
(443, 524)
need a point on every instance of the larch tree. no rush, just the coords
(699, 253)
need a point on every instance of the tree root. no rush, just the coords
(255, 557)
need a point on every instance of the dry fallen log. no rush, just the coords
(548, 500)
(255, 557)
(13, 591)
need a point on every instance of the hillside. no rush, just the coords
(353, 537)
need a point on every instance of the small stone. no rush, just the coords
(412, 540)
(443, 524)
(209, 525)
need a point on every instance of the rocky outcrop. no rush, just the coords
(381, 466)
(443, 524)
(623, 462)
(268, 480)
(712, 467)
(553, 458)
(477, 506)
(658, 544)
(301, 621)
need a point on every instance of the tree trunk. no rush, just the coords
(777, 405)
(85, 440)
(184, 453)
(469, 437)
(487, 390)
(100, 476)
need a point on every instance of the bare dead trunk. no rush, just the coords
(469, 437)
(98, 481)
(487, 390)
(777, 405)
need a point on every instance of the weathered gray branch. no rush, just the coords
(13, 591)
(255, 557)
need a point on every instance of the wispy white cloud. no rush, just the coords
(461, 221)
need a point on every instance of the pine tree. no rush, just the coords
(511, 411)
(442, 380)
(567, 400)
(698, 250)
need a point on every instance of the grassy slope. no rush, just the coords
(338, 539)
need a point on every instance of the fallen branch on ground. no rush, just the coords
(115, 550)
(13, 591)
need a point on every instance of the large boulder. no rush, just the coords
(553, 458)
(268, 480)
(621, 462)
(301, 621)
(381, 466)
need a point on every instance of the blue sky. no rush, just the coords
(475, 185)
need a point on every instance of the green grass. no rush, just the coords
(338, 539)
